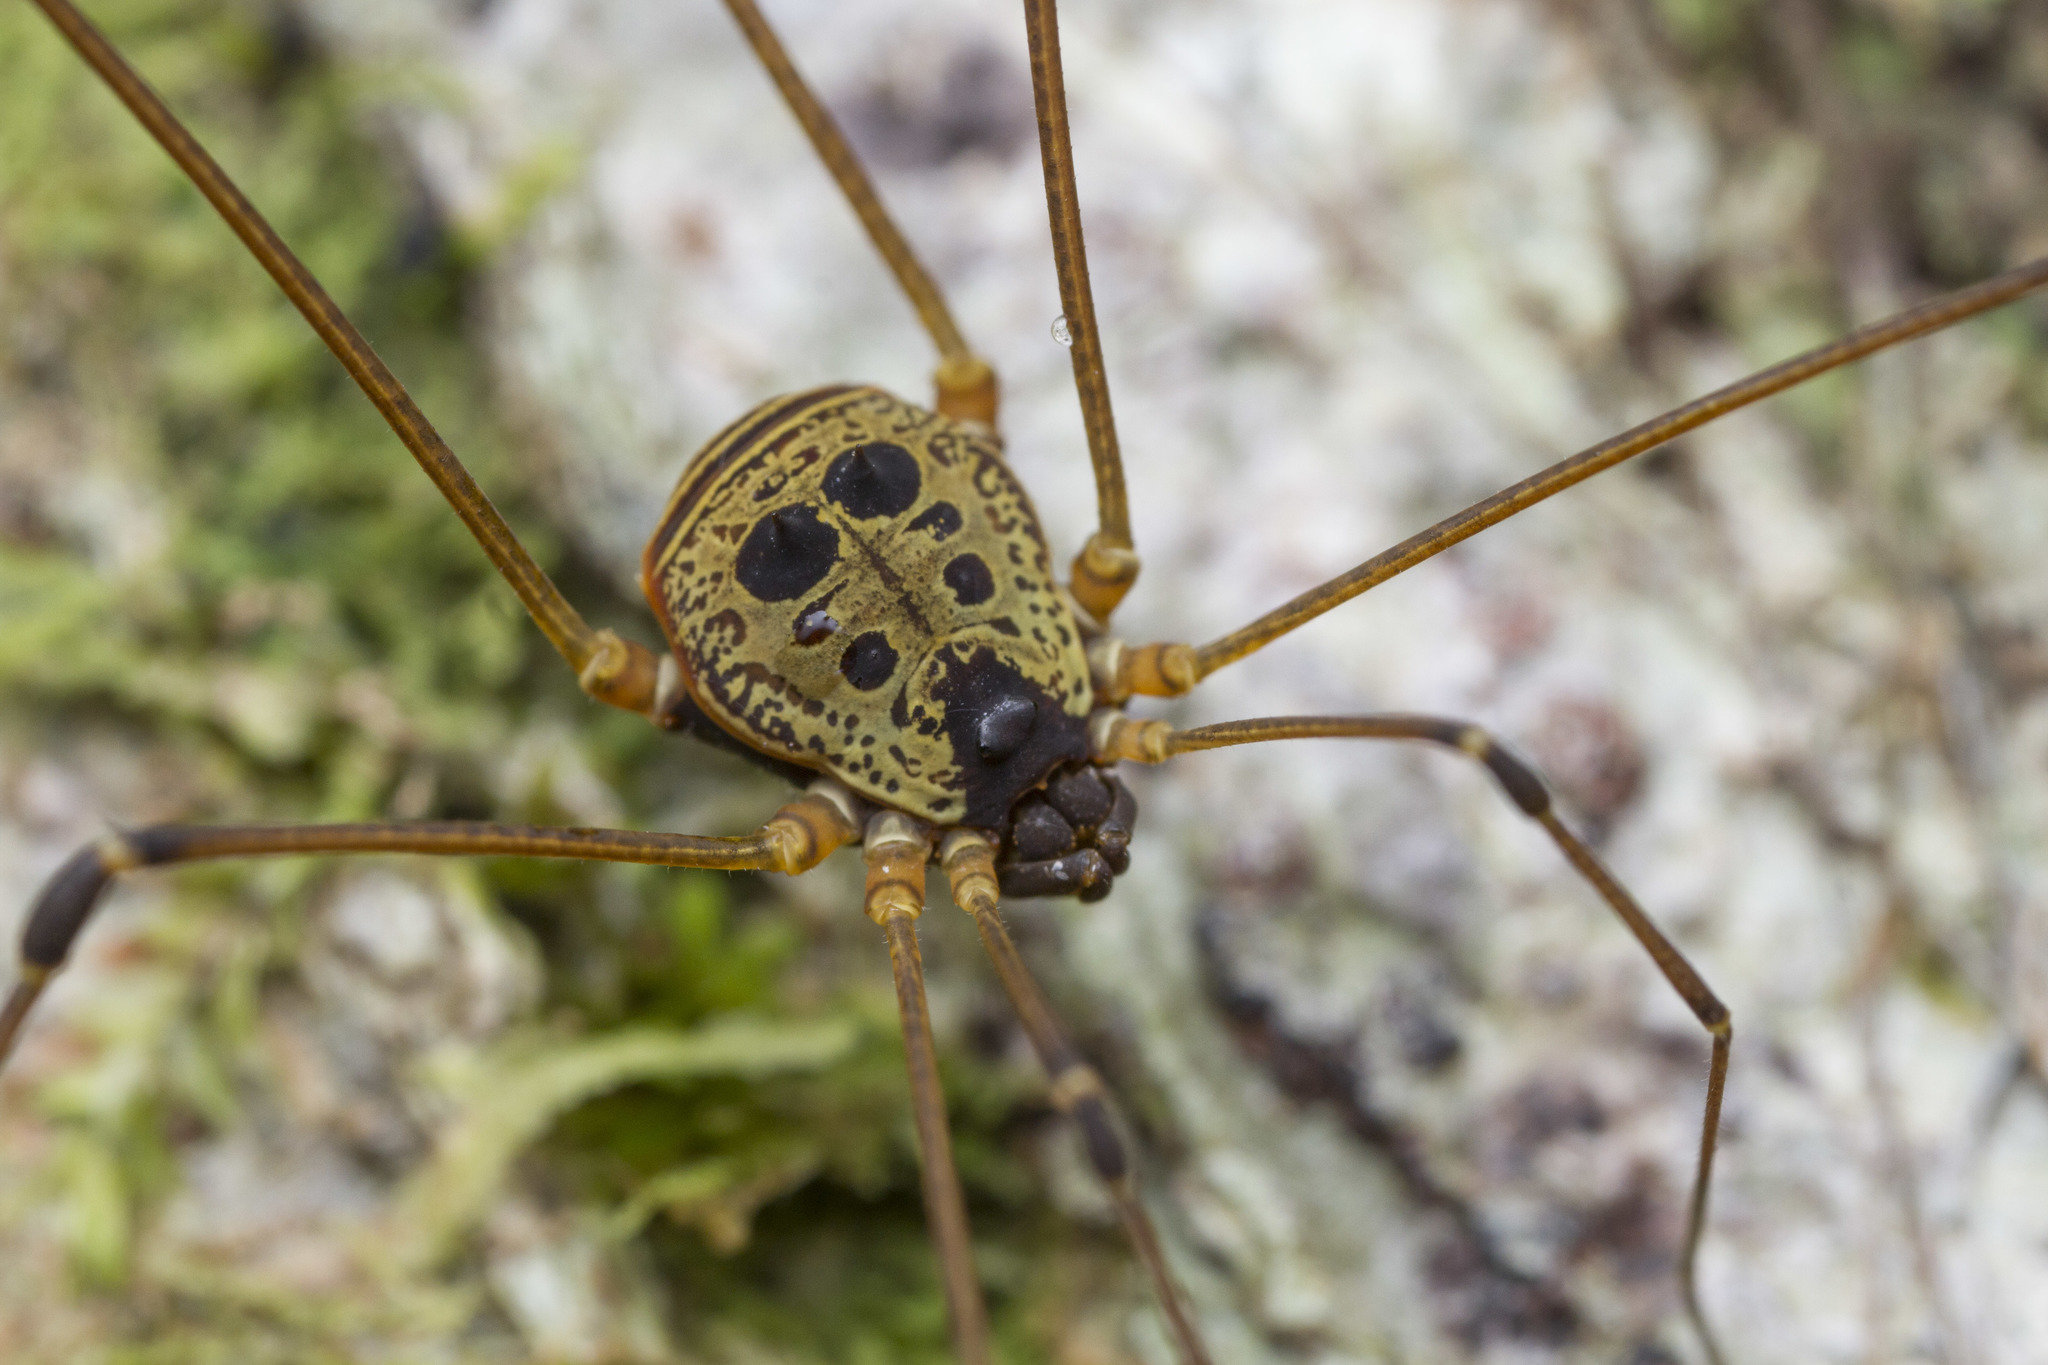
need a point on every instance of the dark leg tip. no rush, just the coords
(1098, 1133)
(1515, 776)
(61, 910)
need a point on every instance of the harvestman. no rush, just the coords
(856, 592)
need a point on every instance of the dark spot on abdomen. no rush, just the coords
(868, 661)
(786, 554)
(874, 479)
(970, 580)
(941, 519)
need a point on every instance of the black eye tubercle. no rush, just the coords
(1004, 727)
(1072, 839)
(1005, 730)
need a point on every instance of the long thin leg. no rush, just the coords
(897, 849)
(966, 384)
(798, 837)
(1107, 565)
(1152, 741)
(1162, 670)
(968, 857)
(609, 668)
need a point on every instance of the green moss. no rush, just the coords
(219, 563)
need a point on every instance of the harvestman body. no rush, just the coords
(856, 592)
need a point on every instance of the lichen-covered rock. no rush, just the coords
(1405, 1088)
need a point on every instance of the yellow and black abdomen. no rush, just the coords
(861, 587)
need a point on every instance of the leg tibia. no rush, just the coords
(582, 647)
(897, 850)
(1152, 741)
(965, 383)
(969, 862)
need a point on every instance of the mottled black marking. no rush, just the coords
(1004, 728)
(815, 625)
(874, 479)
(869, 661)
(975, 680)
(941, 519)
(970, 580)
(685, 716)
(728, 623)
(786, 554)
(691, 719)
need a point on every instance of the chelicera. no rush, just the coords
(855, 591)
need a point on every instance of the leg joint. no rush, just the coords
(1102, 573)
(621, 673)
(803, 832)
(1072, 1082)
(1078, 1092)
(1516, 777)
(966, 390)
(73, 891)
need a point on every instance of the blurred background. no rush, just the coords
(1403, 1090)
